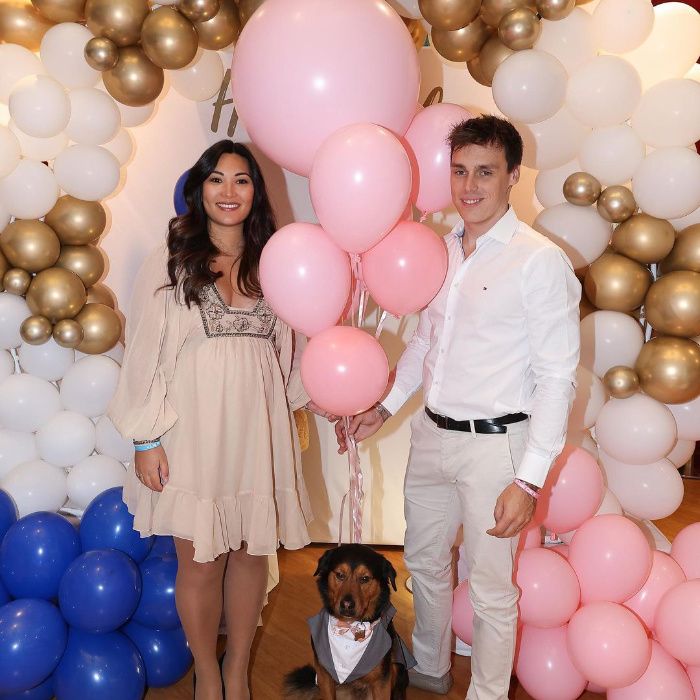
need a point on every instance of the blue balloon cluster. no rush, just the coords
(89, 611)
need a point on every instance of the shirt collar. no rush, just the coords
(502, 231)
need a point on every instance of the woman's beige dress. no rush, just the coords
(218, 386)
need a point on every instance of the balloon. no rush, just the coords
(687, 220)
(163, 545)
(35, 553)
(66, 439)
(570, 40)
(581, 189)
(87, 172)
(549, 184)
(35, 330)
(101, 53)
(530, 537)
(10, 151)
(519, 29)
(344, 370)
(462, 613)
(589, 399)
(493, 11)
(21, 24)
(669, 369)
(56, 294)
(17, 281)
(109, 441)
(15, 448)
(121, 146)
(222, 29)
(106, 523)
(85, 260)
(101, 326)
(460, 44)
(77, 222)
(68, 333)
(93, 475)
(677, 622)
(681, 453)
(26, 402)
(543, 664)
(687, 416)
(99, 293)
(179, 195)
(199, 10)
(61, 10)
(611, 153)
(32, 639)
(609, 338)
(685, 254)
(95, 118)
(48, 361)
(39, 106)
(329, 81)
(686, 550)
(35, 486)
(29, 191)
(39, 148)
(165, 653)
(156, 608)
(89, 385)
(16, 62)
(582, 439)
(621, 382)
(168, 38)
(616, 283)
(622, 25)
(616, 204)
(492, 54)
(135, 80)
(201, 79)
(13, 310)
(405, 270)
(118, 20)
(43, 691)
(672, 304)
(555, 10)
(644, 238)
(8, 512)
(30, 245)
(449, 15)
(135, 116)
(62, 53)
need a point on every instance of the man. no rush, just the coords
(496, 353)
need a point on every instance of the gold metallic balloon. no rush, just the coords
(462, 44)
(476, 71)
(247, 8)
(555, 9)
(118, 20)
(85, 260)
(417, 30)
(4, 267)
(16, 281)
(135, 81)
(673, 304)
(493, 11)
(448, 15)
(685, 254)
(199, 10)
(616, 204)
(519, 29)
(644, 238)
(621, 382)
(493, 53)
(75, 221)
(168, 38)
(101, 53)
(101, 326)
(222, 29)
(56, 293)
(101, 294)
(61, 10)
(68, 333)
(581, 189)
(35, 330)
(616, 283)
(669, 369)
(21, 24)
(30, 244)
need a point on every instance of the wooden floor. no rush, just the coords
(282, 643)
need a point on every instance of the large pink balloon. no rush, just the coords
(463, 613)
(543, 665)
(305, 277)
(406, 269)
(694, 675)
(572, 491)
(611, 558)
(304, 69)
(360, 184)
(430, 154)
(608, 644)
(550, 590)
(664, 679)
(677, 622)
(686, 550)
(344, 370)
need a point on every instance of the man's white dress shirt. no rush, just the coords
(500, 337)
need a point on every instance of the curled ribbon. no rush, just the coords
(355, 493)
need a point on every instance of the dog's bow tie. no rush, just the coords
(359, 631)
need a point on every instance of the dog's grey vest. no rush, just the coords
(379, 644)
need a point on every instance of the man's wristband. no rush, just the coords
(527, 488)
(382, 411)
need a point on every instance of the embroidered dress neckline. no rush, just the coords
(238, 309)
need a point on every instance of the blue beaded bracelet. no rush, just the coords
(143, 446)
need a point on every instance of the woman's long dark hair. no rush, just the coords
(190, 247)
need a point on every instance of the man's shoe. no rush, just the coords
(433, 684)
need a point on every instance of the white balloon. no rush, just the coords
(135, 116)
(10, 151)
(687, 417)
(665, 184)
(580, 231)
(589, 399)
(201, 79)
(4, 216)
(609, 338)
(63, 53)
(622, 25)
(16, 63)
(16, 448)
(36, 486)
(116, 353)
(682, 452)
(36, 148)
(610, 504)
(13, 310)
(110, 442)
(406, 8)
(39, 105)
(553, 142)
(549, 184)
(27, 402)
(529, 86)
(87, 172)
(7, 364)
(604, 91)
(92, 476)
(95, 117)
(88, 386)
(687, 220)
(48, 360)
(121, 146)
(29, 191)
(66, 439)
(612, 154)
(570, 39)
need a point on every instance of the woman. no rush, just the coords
(207, 390)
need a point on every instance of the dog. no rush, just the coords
(357, 652)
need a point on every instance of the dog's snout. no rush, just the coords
(347, 604)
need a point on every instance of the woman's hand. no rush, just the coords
(152, 468)
(311, 406)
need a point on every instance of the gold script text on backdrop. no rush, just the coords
(221, 102)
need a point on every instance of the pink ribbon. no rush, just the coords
(355, 493)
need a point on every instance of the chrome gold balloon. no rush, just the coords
(68, 333)
(101, 326)
(581, 189)
(621, 382)
(30, 244)
(198, 10)
(168, 39)
(86, 261)
(247, 8)
(222, 29)
(56, 293)
(448, 15)
(476, 71)
(35, 330)
(16, 281)
(21, 24)
(519, 29)
(135, 80)
(101, 294)
(101, 53)
(61, 10)
(685, 254)
(669, 369)
(644, 238)
(77, 222)
(461, 44)
(554, 10)
(4, 267)
(493, 11)
(493, 53)
(118, 20)
(616, 283)
(673, 304)
(616, 204)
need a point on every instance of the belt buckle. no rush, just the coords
(442, 421)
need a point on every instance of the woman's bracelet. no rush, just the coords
(527, 488)
(144, 445)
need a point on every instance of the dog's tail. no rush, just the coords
(300, 684)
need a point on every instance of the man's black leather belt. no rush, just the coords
(481, 425)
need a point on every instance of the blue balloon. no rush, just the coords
(179, 195)
(165, 653)
(35, 554)
(8, 513)
(99, 591)
(100, 667)
(32, 638)
(163, 545)
(107, 524)
(5, 597)
(43, 691)
(156, 608)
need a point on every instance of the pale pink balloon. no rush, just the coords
(406, 269)
(561, 549)
(344, 370)
(594, 688)
(531, 537)
(304, 69)
(430, 154)
(687, 417)
(608, 644)
(543, 665)
(694, 675)
(549, 588)
(664, 679)
(305, 277)
(664, 575)
(611, 558)
(686, 550)
(572, 491)
(677, 622)
(462, 613)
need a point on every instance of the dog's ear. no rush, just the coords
(323, 565)
(389, 573)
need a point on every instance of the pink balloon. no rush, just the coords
(593, 688)
(611, 558)
(677, 622)
(664, 575)
(344, 370)
(531, 537)
(550, 590)
(430, 154)
(572, 491)
(543, 665)
(304, 69)
(562, 550)
(608, 644)
(360, 184)
(463, 613)
(686, 550)
(406, 269)
(305, 277)
(694, 675)
(664, 679)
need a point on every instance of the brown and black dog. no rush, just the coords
(353, 581)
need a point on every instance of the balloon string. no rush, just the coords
(380, 325)
(355, 493)
(355, 285)
(362, 305)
